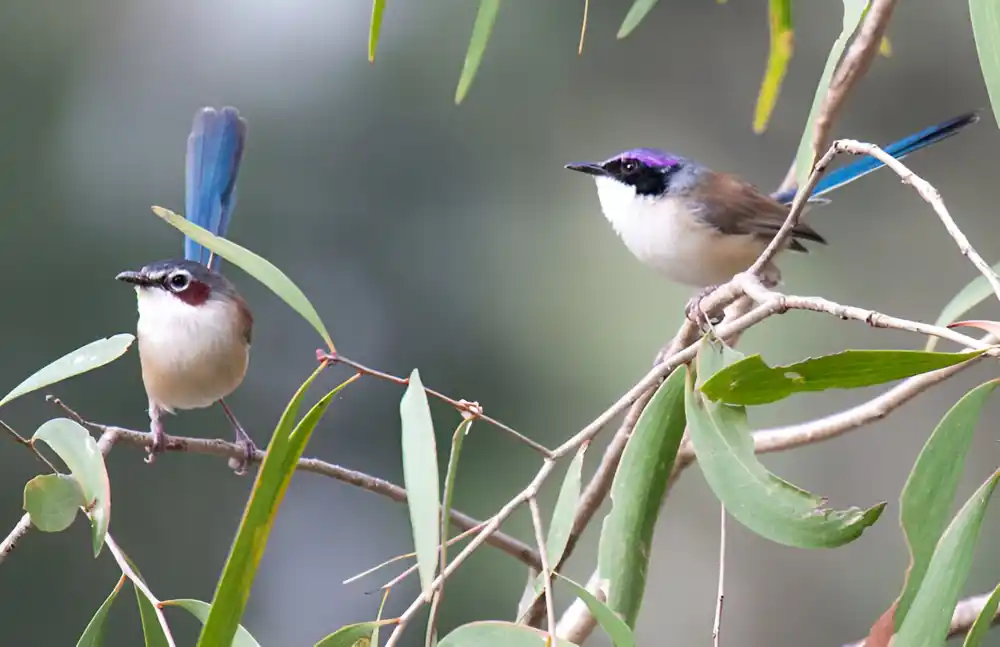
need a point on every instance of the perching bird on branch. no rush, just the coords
(194, 328)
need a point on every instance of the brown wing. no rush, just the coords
(737, 207)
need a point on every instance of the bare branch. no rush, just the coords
(721, 596)
(536, 521)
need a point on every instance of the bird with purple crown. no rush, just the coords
(194, 328)
(700, 227)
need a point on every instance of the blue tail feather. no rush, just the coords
(214, 153)
(899, 150)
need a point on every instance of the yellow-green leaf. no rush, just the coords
(635, 15)
(86, 358)
(53, 500)
(779, 54)
(349, 635)
(985, 17)
(481, 30)
(201, 610)
(254, 265)
(984, 620)
(494, 633)
(378, 7)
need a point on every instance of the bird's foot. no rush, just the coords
(239, 465)
(158, 444)
(694, 312)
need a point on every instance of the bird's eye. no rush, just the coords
(629, 166)
(179, 281)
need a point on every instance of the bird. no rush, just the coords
(194, 329)
(700, 227)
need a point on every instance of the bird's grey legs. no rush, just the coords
(242, 439)
(158, 443)
(693, 309)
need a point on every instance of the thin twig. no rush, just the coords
(21, 440)
(217, 447)
(536, 521)
(457, 538)
(462, 406)
(932, 197)
(139, 584)
(717, 625)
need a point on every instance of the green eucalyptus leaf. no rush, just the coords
(53, 500)
(637, 492)
(378, 7)
(565, 509)
(202, 610)
(611, 622)
(635, 15)
(929, 617)
(771, 507)
(86, 358)
(481, 30)
(79, 451)
(421, 477)
(349, 635)
(779, 54)
(494, 633)
(751, 381)
(93, 635)
(254, 265)
(984, 620)
(985, 17)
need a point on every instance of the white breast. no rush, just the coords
(664, 234)
(191, 355)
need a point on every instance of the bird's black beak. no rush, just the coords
(135, 278)
(587, 167)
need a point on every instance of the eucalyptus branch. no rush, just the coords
(216, 447)
(536, 522)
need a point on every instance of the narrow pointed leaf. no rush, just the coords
(611, 622)
(565, 509)
(93, 635)
(378, 7)
(927, 623)
(494, 633)
(929, 493)
(449, 480)
(853, 12)
(985, 17)
(79, 451)
(751, 381)
(421, 477)
(635, 16)
(86, 358)
(974, 293)
(984, 620)
(636, 494)
(286, 447)
(378, 620)
(481, 30)
(152, 632)
(778, 56)
(532, 591)
(771, 507)
(201, 611)
(348, 635)
(254, 265)
(53, 500)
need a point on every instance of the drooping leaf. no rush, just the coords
(778, 56)
(53, 500)
(421, 477)
(853, 12)
(927, 497)
(635, 16)
(375, 28)
(985, 17)
(481, 30)
(201, 611)
(636, 494)
(565, 509)
(494, 633)
(764, 503)
(378, 619)
(611, 622)
(254, 265)
(974, 293)
(984, 620)
(93, 635)
(991, 327)
(286, 447)
(348, 635)
(751, 381)
(449, 480)
(927, 623)
(151, 630)
(86, 358)
(79, 451)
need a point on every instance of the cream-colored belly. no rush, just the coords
(664, 235)
(191, 357)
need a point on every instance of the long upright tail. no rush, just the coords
(214, 152)
(899, 150)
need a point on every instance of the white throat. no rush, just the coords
(663, 233)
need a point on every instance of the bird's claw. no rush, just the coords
(694, 312)
(239, 465)
(158, 443)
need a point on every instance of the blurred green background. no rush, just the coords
(451, 239)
